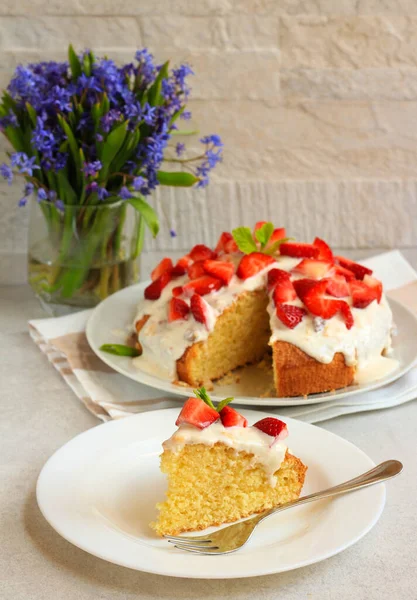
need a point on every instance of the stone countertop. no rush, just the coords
(39, 413)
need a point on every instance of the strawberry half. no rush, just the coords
(202, 286)
(276, 276)
(337, 286)
(196, 270)
(226, 243)
(177, 291)
(313, 268)
(201, 252)
(184, 262)
(362, 294)
(154, 290)
(347, 314)
(196, 412)
(164, 266)
(253, 263)
(277, 234)
(358, 270)
(348, 275)
(375, 285)
(317, 304)
(178, 271)
(231, 418)
(200, 309)
(290, 315)
(273, 427)
(302, 286)
(177, 309)
(222, 270)
(299, 250)
(284, 291)
(325, 252)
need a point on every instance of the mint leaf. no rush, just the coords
(202, 394)
(264, 233)
(120, 350)
(224, 403)
(275, 246)
(244, 240)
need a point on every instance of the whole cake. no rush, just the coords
(220, 470)
(325, 317)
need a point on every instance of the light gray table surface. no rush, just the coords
(39, 413)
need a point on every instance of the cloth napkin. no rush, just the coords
(109, 395)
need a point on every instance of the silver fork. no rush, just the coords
(231, 538)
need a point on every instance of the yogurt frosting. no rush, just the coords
(266, 451)
(164, 343)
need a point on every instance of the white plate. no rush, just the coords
(112, 319)
(99, 492)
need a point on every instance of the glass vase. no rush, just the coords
(81, 254)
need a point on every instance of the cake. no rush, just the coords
(324, 318)
(220, 470)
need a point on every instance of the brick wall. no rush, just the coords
(316, 101)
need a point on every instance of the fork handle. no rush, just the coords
(380, 473)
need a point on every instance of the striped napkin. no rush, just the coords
(109, 395)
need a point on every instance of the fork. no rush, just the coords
(231, 538)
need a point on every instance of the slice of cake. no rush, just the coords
(324, 317)
(220, 470)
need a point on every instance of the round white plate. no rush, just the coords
(111, 322)
(99, 492)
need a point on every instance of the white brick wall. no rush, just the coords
(316, 101)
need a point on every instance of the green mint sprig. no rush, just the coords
(120, 350)
(203, 395)
(246, 244)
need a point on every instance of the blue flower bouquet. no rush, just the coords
(89, 139)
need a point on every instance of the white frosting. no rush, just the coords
(266, 451)
(164, 343)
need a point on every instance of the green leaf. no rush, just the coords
(154, 93)
(74, 62)
(66, 192)
(120, 350)
(111, 147)
(87, 65)
(275, 246)
(202, 394)
(264, 233)
(184, 132)
(15, 137)
(73, 146)
(177, 114)
(224, 403)
(244, 240)
(31, 113)
(177, 179)
(147, 212)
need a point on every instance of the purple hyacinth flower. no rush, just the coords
(91, 169)
(42, 195)
(125, 194)
(172, 233)
(179, 149)
(102, 193)
(6, 173)
(186, 115)
(138, 183)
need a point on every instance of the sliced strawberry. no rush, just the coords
(225, 243)
(164, 266)
(302, 286)
(178, 271)
(374, 284)
(253, 263)
(177, 291)
(196, 412)
(154, 290)
(277, 234)
(358, 270)
(196, 270)
(325, 252)
(362, 294)
(199, 309)
(348, 275)
(284, 292)
(202, 286)
(273, 427)
(276, 276)
(313, 268)
(290, 315)
(222, 270)
(231, 246)
(299, 250)
(231, 418)
(177, 309)
(184, 262)
(347, 314)
(201, 252)
(337, 286)
(317, 304)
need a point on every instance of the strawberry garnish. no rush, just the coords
(273, 427)
(284, 291)
(348, 275)
(177, 309)
(253, 263)
(362, 294)
(226, 243)
(178, 271)
(275, 276)
(299, 250)
(313, 268)
(164, 266)
(201, 252)
(202, 286)
(177, 291)
(290, 315)
(196, 412)
(185, 261)
(277, 234)
(302, 286)
(220, 269)
(200, 309)
(337, 286)
(375, 285)
(317, 304)
(358, 270)
(196, 270)
(347, 314)
(154, 290)
(231, 246)
(231, 418)
(325, 252)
